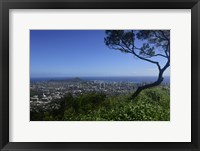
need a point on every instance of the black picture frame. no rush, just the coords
(5, 5)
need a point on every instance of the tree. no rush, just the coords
(146, 45)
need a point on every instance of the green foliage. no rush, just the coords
(151, 105)
(153, 42)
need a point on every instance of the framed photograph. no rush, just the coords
(99, 75)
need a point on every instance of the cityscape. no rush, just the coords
(47, 91)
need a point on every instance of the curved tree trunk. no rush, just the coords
(156, 83)
(140, 88)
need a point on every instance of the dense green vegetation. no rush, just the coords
(151, 105)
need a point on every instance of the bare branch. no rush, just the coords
(159, 55)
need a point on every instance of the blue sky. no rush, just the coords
(82, 53)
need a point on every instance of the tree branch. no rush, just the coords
(164, 35)
(148, 60)
(153, 55)
(128, 50)
(159, 55)
(158, 36)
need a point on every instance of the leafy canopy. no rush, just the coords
(152, 40)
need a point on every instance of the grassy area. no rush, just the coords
(151, 105)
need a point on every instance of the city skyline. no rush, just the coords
(82, 53)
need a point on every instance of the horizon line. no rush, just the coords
(96, 76)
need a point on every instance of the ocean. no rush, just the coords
(134, 79)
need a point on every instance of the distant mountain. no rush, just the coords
(76, 79)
